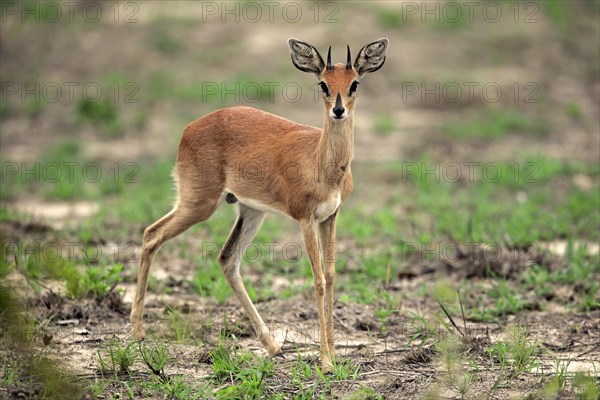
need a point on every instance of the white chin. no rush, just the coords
(333, 117)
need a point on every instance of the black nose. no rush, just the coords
(338, 110)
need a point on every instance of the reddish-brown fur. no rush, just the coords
(270, 164)
(263, 157)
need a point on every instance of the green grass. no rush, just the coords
(558, 13)
(181, 325)
(365, 393)
(99, 280)
(384, 124)
(120, 365)
(391, 18)
(387, 306)
(507, 204)
(496, 300)
(10, 371)
(519, 205)
(240, 89)
(81, 278)
(147, 197)
(587, 386)
(24, 363)
(248, 373)
(34, 107)
(163, 41)
(573, 111)
(102, 113)
(518, 354)
(118, 357)
(210, 281)
(521, 349)
(64, 173)
(497, 123)
(453, 18)
(503, 201)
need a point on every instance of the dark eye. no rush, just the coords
(324, 88)
(353, 88)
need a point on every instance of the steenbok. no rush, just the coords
(309, 179)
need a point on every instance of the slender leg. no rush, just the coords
(327, 236)
(309, 231)
(169, 226)
(247, 225)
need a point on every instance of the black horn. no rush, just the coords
(348, 59)
(329, 66)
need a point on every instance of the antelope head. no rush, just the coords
(339, 82)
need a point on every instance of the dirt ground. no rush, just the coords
(400, 361)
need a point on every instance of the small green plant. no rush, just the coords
(522, 351)
(344, 369)
(155, 357)
(364, 393)
(221, 290)
(587, 386)
(425, 331)
(98, 281)
(98, 386)
(301, 370)
(561, 373)
(181, 325)
(302, 377)
(498, 353)
(178, 389)
(507, 300)
(385, 309)
(538, 279)
(248, 372)
(456, 374)
(120, 357)
(224, 363)
(448, 348)
(36, 266)
(9, 373)
(463, 383)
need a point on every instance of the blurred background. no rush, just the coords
(481, 128)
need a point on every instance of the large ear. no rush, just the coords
(305, 57)
(371, 57)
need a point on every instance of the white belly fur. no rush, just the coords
(328, 207)
(323, 211)
(257, 205)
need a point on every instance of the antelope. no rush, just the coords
(223, 156)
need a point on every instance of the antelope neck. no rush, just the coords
(336, 146)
